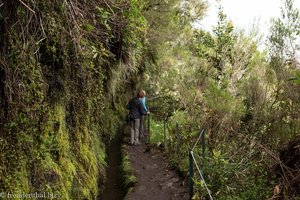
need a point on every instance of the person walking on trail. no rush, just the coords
(135, 112)
(142, 95)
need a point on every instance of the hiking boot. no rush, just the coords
(131, 144)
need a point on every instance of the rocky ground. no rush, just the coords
(155, 178)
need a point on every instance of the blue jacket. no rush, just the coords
(143, 100)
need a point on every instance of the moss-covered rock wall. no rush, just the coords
(66, 68)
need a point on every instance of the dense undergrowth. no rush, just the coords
(66, 71)
(246, 99)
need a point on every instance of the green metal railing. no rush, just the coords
(193, 161)
(148, 135)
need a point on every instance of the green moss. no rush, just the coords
(21, 177)
(63, 92)
(98, 146)
(129, 178)
(76, 168)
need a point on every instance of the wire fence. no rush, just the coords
(191, 157)
(193, 161)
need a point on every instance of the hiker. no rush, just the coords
(142, 97)
(135, 112)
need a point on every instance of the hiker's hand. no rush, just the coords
(148, 113)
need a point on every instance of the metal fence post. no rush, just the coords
(165, 142)
(191, 173)
(178, 141)
(203, 151)
(148, 139)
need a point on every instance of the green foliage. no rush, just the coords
(157, 131)
(225, 39)
(129, 178)
(65, 76)
(62, 86)
(222, 82)
(220, 103)
(296, 78)
(283, 54)
(284, 33)
(283, 48)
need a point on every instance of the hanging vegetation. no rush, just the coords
(65, 67)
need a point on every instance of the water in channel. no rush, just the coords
(114, 187)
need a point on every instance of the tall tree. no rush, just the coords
(284, 38)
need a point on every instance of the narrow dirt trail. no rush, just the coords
(155, 179)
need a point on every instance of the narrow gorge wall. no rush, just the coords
(65, 70)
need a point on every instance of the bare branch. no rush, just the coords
(27, 6)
